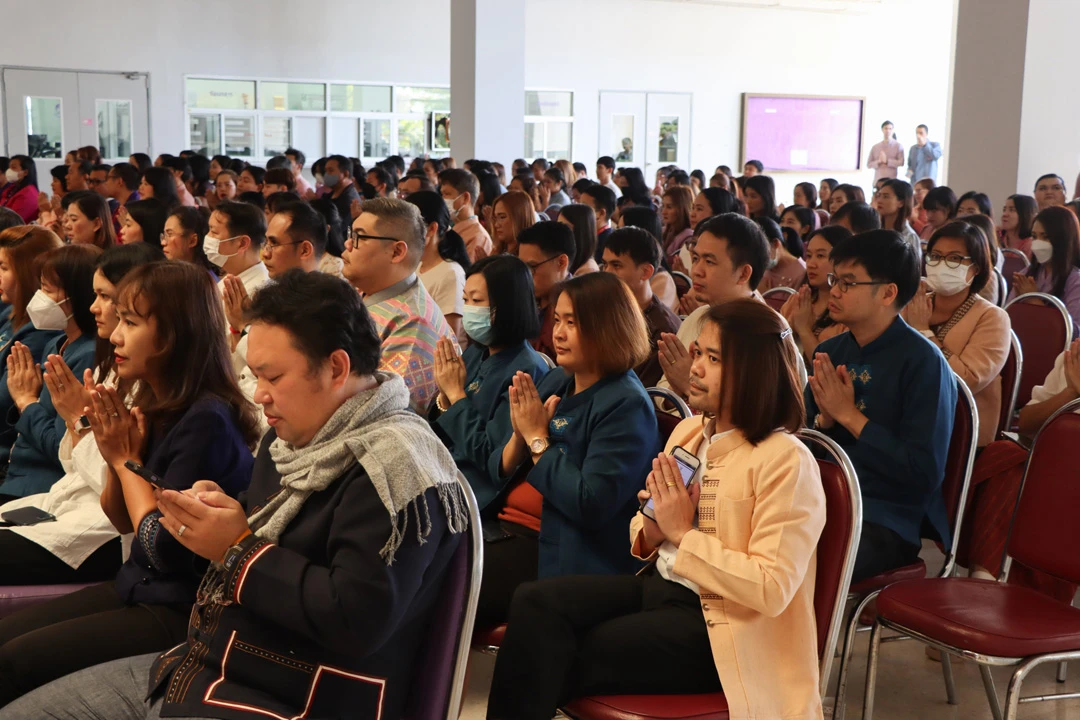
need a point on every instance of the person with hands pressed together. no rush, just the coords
(731, 576)
(324, 573)
(807, 311)
(579, 448)
(887, 395)
(1055, 262)
(472, 414)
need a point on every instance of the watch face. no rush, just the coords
(538, 445)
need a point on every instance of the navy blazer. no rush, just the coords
(34, 464)
(478, 425)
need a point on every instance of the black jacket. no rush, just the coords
(319, 626)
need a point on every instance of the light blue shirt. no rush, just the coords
(922, 161)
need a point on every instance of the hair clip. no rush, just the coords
(785, 334)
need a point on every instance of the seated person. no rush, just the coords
(444, 260)
(381, 258)
(583, 439)
(887, 395)
(856, 217)
(632, 255)
(316, 573)
(189, 422)
(601, 199)
(1055, 252)
(472, 414)
(547, 248)
(784, 268)
(460, 190)
(733, 564)
(20, 249)
(807, 311)
(972, 333)
(663, 283)
(62, 306)
(81, 546)
(295, 238)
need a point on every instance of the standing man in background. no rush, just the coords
(923, 157)
(887, 155)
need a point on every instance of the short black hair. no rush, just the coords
(323, 314)
(636, 242)
(383, 176)
(244, 219)
(1049, 175)
(101, 167)
(127, 174)
(580, 168)
(510, 294)
(679, 177)
(461, 180)
(976, 244)
(553, 238)
(280, 176)
(344, 164)
(923, 127)
(253, 197)
(603, 196)
(746, 243)
(645, 218)
(941, 198)
(755, 163)
(887, 258)
(278, 161)
(180, 165)
(142, 161)
(541, 162)
(257, 174)
(9, 218)
(83, 167)
(981, 200)
(305, 223)
(556, 175)
(297, 156)
(607, 161)
(59, 173)
(860, 216)
(397, 162)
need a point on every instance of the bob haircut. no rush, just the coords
(941, 198)
(519, 207)
(192, 346)
(1026, 210)
(23, 248)
(976, 246)
(763, 185)
(760, 380)
(163, 183)
(1063, 231)
(981, 200)
(71, 268)
(95, 207)
(510, 295)
(583, 221)
(612, 329)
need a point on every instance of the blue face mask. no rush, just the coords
(477, 323)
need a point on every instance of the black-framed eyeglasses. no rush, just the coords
(533, 267)
(355, 236)
(846, 285)
(952, 260)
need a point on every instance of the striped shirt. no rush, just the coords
(409, 323)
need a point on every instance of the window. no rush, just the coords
(549, 124)
(534, 146)
(421, 99)
(205, 134)
(44, 127)
(549, 104)
(220, 94)
(411, 137)
(292, 96)
(114, 128)
(376, 138)
(360, 98)
(277, 135)
(239, 136)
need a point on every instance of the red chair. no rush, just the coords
(1010, 385)
(954, 487)
(1015, 261)
(835, 561)
(993, 623)
(1045, 330)
(776, 297)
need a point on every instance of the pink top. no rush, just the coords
(302, 185)
(894, 158)
(1024, 244)
(23, 202)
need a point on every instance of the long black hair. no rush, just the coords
(163, 182)
(27, 163)
(433, 210)
(1063, 231)
(510, 295)
(582, 220)
(150, 215)
(764, 186)
(636, 188)
(335, 226)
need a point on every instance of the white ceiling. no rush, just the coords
(822, 6)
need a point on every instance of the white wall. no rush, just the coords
(897, 56)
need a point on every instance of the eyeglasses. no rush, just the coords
(269, 247)
(355, 236)
(533, 267)
(953, 260)
(94, 182)
(167, 236)
(846, 285)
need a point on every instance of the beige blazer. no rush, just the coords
(976, 348)
(753, 556)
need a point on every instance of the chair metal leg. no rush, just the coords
(871, 670)
(845, 657)
(1063, 672)
(991, 691)
(946, 673)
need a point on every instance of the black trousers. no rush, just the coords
(23, 562)
(80, 630)
(576, 636)
(881, 550)
(508, 563)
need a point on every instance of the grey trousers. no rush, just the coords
(111, 691)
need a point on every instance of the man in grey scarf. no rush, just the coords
(323, 575)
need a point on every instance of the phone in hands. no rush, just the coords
(148, 475)
(688, 466)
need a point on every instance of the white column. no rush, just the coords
(487, 80)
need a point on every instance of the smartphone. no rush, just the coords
(688, 466)
(148, 475)
(26, 516)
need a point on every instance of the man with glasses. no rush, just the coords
(887, 395)
(547, 249)
(381, 259)
(295, 238)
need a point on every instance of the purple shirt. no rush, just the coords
(1071, 297)
(894, 158)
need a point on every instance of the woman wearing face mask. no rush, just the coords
(90, 221)
(1055, 264)
(786, 268)
(807, 311)
(444, 262)
(81, 545)
(189, 422)
(21, 192)
(972, 333)
(472, 413)
(142, 221)
(62, 306)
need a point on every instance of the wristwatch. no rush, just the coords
(538, 445)
(235, 552)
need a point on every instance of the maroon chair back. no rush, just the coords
(1045, 533)
(1010, 378)
(776, 297)
(1044, 332)
(1014, 262)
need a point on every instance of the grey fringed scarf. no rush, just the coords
(402, 457)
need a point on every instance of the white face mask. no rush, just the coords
(46, 313)
(211, 245)
(449, 202)
(12, 175)
(945, 280)
(1042, 250)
